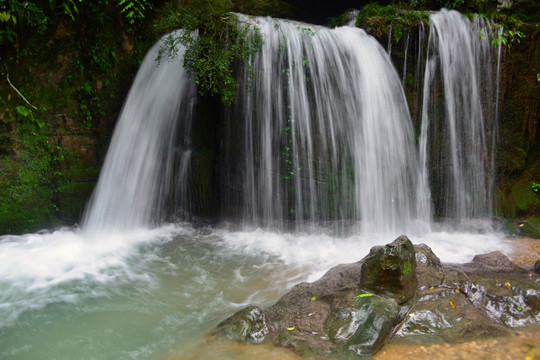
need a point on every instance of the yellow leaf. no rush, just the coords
(452, 303)
(290, 328)
(508, 286)
(411, 315)
(313, 298)
(432, 288)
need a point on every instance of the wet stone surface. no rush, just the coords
(397, 291)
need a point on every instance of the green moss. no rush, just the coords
(532, 228)
(376, 19)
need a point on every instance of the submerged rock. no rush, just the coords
(398, 289)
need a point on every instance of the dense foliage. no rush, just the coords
(215, 39)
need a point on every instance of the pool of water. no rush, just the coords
(155, 294)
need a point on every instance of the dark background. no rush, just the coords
(319, 11)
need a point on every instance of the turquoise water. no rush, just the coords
(155, 294)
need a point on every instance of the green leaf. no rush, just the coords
(313, 298)
(363, 295)
(23, 111)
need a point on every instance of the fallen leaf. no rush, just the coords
(290, 328)
(411, 315)
(313, 298)
(508, 286)
(452, 303)
(432, 288)
(519, 308)
(363, 295)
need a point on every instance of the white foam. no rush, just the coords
(319, 252)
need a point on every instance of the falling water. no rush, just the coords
(327, 132)
(147, 142)
(320, 132)
(455, 116)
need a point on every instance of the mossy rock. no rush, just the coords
(529, 227)
(391, 270)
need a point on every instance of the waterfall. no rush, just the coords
(456, 113)
(152, 133)
(320, 132)
(327, 132)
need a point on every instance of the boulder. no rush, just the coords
(400, 290)
(486, 297)
(391, 270)
(349, 312)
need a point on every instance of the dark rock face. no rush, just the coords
(354, 308)
(391, 270)
(429, 270)
(536, 267)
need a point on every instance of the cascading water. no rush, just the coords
(456, 116)
(151, 138)
(327, 132)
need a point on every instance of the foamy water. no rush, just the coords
(148, 292)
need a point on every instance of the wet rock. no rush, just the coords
(493, 262)
(349, 312)
(397, 289)
(536, 268)
(248, 325)
(429, 270)
(391, 270)
(484, 298)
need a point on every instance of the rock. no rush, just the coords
(248, 325)
(429, 270)
(391, 270)
(354, 308)
(536, 268)
(484, 298)
(349, 312)
(493, 262)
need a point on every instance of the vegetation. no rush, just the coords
(215, 39)
(53, 107)
(376, 19)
